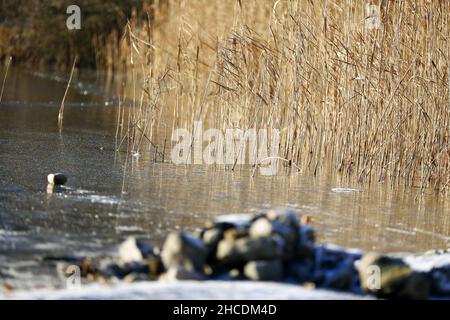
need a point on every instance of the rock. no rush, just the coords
(155, 267)
(132, 250)
(109, 268)
(232, 226)
(230, 275)
(176, 273)
(56, 178)
(184, 251)
(246, 249)
(212, 236)
(86, 267)
(236, 274)
(390, 277)
(137, 261)
(440, 281)
(121, 270)
(382, 275)
(232, 221)
(306, 241)
(264, 270)
(93, 268)
(235, 233)
(284, 215)
(261, 228)
(50, 188)
(300, 270)
(334, 268)
(135, 276)
(417, 287)
(330, 257)
(342, 277)
(285, 223)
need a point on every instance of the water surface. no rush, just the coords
(108, 198)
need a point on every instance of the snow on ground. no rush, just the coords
(217, 290)
(425, 263)
(189, 290)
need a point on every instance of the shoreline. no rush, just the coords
(247, 256)
(218, 289)
(186, 290)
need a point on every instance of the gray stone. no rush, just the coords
(261, 228)
(230, 275)
(120, 270)
(212, 236)
(264, 270)
(247, 249)
(184, 251)
(306, 241)
(155, 266)
(417, 287)
(342, 277)
(390, 277)
(232, 221)
(108, 268)
(176, 273)
(287, 228)
(284, 222)
(132, 250)
(235, 233)
(440, 281)
(56, 178)
(330, 257)
(135, 276)
(235, 274)
(300, 270)
(284, 215)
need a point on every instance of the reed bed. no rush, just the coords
(366, 98)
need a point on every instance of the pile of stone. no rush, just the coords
(268, 247)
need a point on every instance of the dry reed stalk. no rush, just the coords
(118, 127)
(371, 104)
(4, 78)
(61, 108)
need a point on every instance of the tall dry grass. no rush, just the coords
(371, 104)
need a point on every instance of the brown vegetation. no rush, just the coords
(35, 32)
(371, 102)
